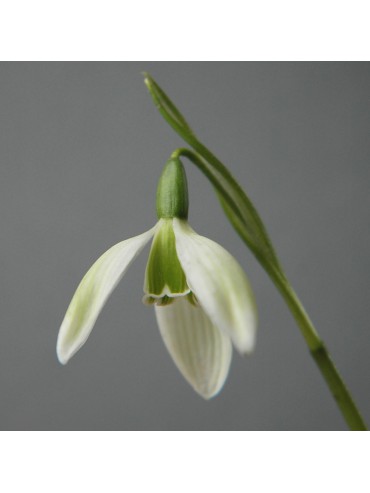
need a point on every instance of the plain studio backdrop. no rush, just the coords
(81, 150)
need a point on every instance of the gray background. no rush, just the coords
(81, 149)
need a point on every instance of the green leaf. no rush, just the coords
(165, 105)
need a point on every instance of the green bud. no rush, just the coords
(172, 191)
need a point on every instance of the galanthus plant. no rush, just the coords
(202, 298)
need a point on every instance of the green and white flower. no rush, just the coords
(202, 298)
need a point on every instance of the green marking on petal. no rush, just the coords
(164, 277)
(192, 299)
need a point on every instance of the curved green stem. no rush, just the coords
(247, 223)
(316, 346)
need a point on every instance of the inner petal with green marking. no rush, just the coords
(164, 277)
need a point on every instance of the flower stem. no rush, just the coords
(321, 356)
(315, 344)
(248, 224)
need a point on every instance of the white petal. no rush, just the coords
(200, 350)
(93, 292)
(220, 285)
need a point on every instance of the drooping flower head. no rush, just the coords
(202, 298)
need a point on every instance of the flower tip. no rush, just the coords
(64, 351)
(62, 355)
(247, 347)
(208, 394)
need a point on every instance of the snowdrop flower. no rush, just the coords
(202, 299)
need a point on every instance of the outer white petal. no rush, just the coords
(93, 292)
(200, 350)
(220, 285)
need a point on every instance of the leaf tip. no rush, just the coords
(148, 80)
